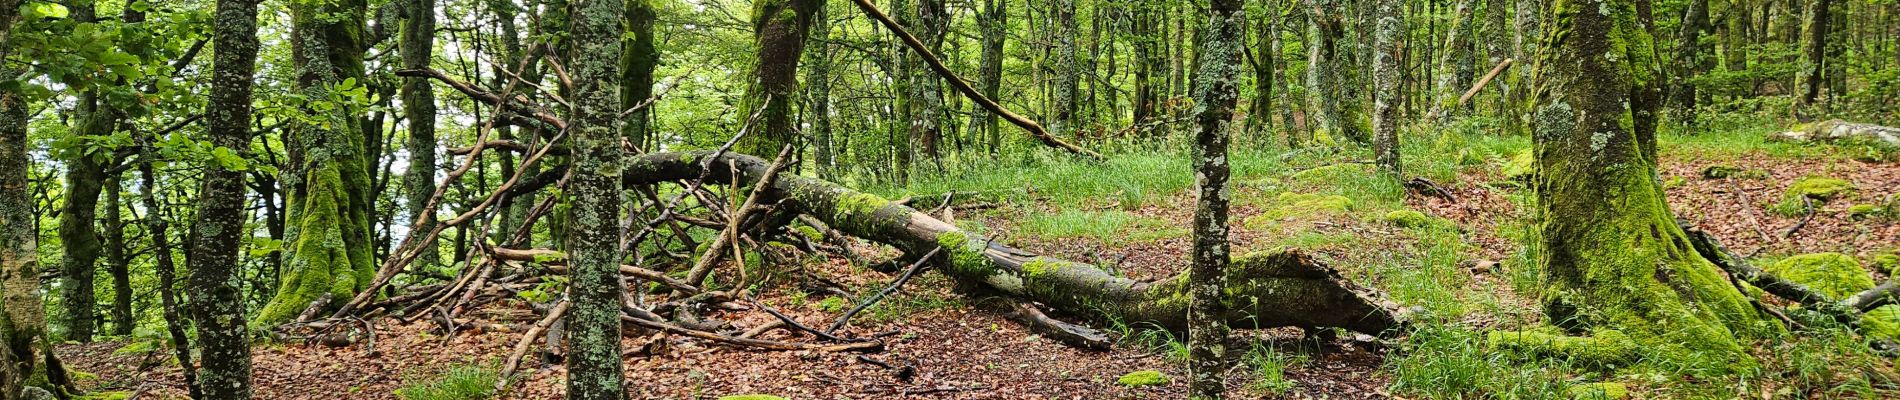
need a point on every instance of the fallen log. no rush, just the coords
(1842, 132)
(1846, 311)
(1284, 288)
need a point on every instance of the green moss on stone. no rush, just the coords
(1887, 262)
(1881, 323)
(1599, 391)
(1299, 206)
(1819, 188)
(1606, 348)
(1835, 275)
(1407, 219)
(1144, 378)
(1720, 172)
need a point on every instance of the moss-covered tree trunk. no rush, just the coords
(216, 306)
(1216, 94)
(927, 21)
(418, 108)
(118, 264)
(779, 27)
(1387, 34)
(593, 369)
(1063, 117)
(1613, 254)
(79, 237)
(1323, 31)
(637, 61)
(818, 85)
(1267, 52)
(994, 22)
(22, 312)
(1454, 64)
(328, 246)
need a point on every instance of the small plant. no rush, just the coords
(1270, 367)
(465, 382)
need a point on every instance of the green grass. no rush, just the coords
(1269, 368)
(1112, 227)
(462, 382)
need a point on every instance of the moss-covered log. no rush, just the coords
(1264, 290)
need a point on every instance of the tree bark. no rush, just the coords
(418, 108)
(328, 242)
(1217, 93)
(23, 324)
(1814, 48)
(1386, 35)
(818, 82)
(118, 265)
(637, 62)
(594, 192)
(1265, 290)
(1454, 65)
(1068, 73)
(994, 21)
(1613, 254)
(164, 267)
(780, 28)
(216, 305)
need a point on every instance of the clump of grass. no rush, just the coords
(1269, 367)
(1112, 227)
(462, 382)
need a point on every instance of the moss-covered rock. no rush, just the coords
(1881, 323)
(1819, 188)
(1144, 378)
(1720, 172)
(1605, 348)
(1407, 219)
(1599, 391)
(1861, 211)
(752, 397)
(1887, 262)
(1299, 206)
(1835, 275)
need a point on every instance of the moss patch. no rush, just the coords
(1520, 166)
(1881, 323)
(1407, 219)
(1300, 206)
(1599, 391)
(1605, 348)
(1833, 274)
(1144, 378)
(1887, 262)
(1819, 188)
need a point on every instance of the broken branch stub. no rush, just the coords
(1266, 290)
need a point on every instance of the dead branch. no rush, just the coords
(521, 347)
(869, 346)
(703, 266)
(908, 272)
(962, 86)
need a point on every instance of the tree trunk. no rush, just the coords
(328, 248)
(1322, 58)
(928, 21)
(636, 73)
(1386, 35)
(84, 179)
(1454, 65)
(1068, 73)
(779, 27)
(418, 108)
(1613, 253)
(1689, 60)
(994, 21)
(1266, 290)
(118, 265)
(23, 325)
(594, 367)
(165, 268)
(216, 305)
(1266, 47)
(1217, 93)
(818, 82)
(1814, 47)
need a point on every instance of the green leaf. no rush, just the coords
(46, 10)
(229, 159)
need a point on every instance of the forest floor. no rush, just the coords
(1465, 267)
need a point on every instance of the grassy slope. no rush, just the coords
(1055, 198)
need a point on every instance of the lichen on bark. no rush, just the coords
(1610, 247)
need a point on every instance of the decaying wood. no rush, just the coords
(1067, 333)
(901, 279)
(557, 261)
(1279, 289)
(730, 235)
(1846, 311)
(527, 339)
(1838, 131)
(1488, 76)
(866, 346)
